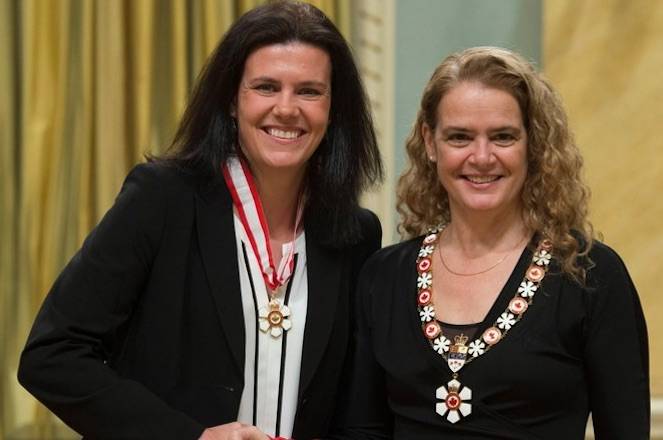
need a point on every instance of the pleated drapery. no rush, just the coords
(87, 88)
(605, 57)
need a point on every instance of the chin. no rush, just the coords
(485, 205)
(284, 164)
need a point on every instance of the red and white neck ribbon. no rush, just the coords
(246, 200)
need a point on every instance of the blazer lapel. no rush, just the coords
(324, 278)
(216, 235)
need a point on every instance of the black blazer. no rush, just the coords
(142, 334)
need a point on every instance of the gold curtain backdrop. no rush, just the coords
(606, 58)
(90, 88)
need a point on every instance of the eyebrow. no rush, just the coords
(467, 130)
(315, 84)
(447, 130)
(261, 79)
(506, 128)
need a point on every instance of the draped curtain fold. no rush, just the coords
(605, 58)
(91, 87)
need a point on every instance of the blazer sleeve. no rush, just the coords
(65, 361)
(363, 410)
(616, 351)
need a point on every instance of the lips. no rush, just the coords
(282, 133)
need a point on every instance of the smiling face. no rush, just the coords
(479, 145)
(283, 105)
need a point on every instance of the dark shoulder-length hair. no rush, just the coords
(347, 160)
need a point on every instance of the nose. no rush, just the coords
(482, 153)
(286, 106)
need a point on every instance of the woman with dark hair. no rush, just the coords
(502, 317)
(214, 295)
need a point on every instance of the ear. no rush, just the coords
(429, 141)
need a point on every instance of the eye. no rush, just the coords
(265, 88)
(458, 139)
(504, 139)
(310, 92)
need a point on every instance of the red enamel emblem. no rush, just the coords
(517, 305)
(423, 265)
(432, 330)
(424, 297)
(453, 401)
(492, 335)
(546, 244)
(535, 274)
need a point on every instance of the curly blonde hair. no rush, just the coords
(554, 196)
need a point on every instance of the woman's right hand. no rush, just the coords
(233, 431)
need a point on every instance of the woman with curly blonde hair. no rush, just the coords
(502, 317)
(553, 161)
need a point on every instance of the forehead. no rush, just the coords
(470, 103)
(305, 61)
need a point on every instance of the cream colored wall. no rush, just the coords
(606, 59)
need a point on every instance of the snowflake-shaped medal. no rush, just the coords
(506, 321)
(455, 401)
(542, 257)
(527, 289)
(476, 348)
(275, 318)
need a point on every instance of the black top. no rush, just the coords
(575, 351)
(142, 335)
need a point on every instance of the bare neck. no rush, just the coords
(474, 235)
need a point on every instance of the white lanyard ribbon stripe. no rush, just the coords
(249, 208)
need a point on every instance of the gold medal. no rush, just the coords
(274, 318)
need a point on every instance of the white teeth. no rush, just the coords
(283, 134)
(482, 179)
